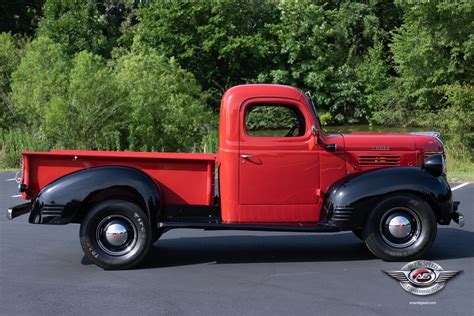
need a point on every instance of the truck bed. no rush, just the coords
(182, 178)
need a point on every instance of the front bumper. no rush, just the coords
(456, 216)
(18, 210)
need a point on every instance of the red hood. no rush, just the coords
(378, 141)
(360, 141)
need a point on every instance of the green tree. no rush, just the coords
(119, 16)
(223, 43)
(165, 105)
(432, 48)
(75, 24)
(388, 13)
(321, 45)
(91, 114)
(9, 60)
(456, 118)
(373, 72)
(41, 76)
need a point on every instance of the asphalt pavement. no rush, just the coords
(192, 272)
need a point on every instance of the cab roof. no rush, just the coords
(235, 96)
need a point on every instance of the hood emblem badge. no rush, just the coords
(380, 148)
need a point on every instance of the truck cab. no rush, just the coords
(276, 170)
(269, 176)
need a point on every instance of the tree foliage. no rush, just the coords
(223, 43)
(41, 76)
(146, 75)
(320, 46)
(434, 47)
(138, 100)
(165, 105)
(9, 60)
(96, 110)
(75, 24)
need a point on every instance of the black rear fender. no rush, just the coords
(69, 198)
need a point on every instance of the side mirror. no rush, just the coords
(331, 147)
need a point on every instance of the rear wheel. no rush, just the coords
(401, 228)
(116, 234)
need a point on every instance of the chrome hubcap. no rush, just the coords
(400, 227)
(116, 235)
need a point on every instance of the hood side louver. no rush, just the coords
(379, 160)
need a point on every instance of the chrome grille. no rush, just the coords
(379, 160)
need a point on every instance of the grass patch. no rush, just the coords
(9, 169)
(462, 175)
(460, 165)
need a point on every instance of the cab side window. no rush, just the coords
(274, 120)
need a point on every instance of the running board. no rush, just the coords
(309, 228)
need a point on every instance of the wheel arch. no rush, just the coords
(435, 206)
(111, 193)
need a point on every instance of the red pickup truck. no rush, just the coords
(389, 189)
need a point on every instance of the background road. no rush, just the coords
(43, 271)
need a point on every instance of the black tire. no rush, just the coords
(95, 241)
(358, 233)
(420, 232)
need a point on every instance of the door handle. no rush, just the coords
(245, 156)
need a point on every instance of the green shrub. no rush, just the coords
(41, 77)
(14, 142)
(9, 60)
(209, 143)
(165, 106)
(325, 118)
(91, 115)
(433, 48)
(455, 120)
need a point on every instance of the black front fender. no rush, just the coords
(66, 199)
(350, 200)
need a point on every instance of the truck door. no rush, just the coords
(278, 163)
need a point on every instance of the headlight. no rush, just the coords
(435, 164)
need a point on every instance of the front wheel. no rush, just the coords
(401, 228)
(116, 234)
